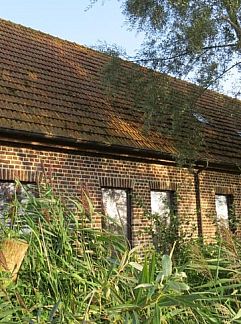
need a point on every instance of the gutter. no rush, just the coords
(70, 143)
(64, 144)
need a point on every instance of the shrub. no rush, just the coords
(74, 273)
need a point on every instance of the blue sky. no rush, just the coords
(68, 19)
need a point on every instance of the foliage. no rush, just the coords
(162, 106)
(164, 231)
(75, 273)
(215, 269)
(193, 40)
(166, 228)
(188, 36)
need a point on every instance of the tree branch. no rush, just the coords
(206, 48)
(224, 72)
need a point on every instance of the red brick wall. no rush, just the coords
(212, 183)
(70, 173)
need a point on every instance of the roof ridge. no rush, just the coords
(30, 29)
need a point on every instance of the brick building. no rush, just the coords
(54, 114)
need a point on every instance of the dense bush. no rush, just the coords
(74, 273)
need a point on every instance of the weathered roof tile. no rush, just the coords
(53, 87)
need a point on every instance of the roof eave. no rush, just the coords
(9, 136)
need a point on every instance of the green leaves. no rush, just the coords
(97, 278)
(7, 312)
(166, 265)
(183, 36)
(237, 316)
(177, 286)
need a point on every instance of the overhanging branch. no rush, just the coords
(185, 53)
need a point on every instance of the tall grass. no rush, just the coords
(74, 273)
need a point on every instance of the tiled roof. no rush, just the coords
(53, 87)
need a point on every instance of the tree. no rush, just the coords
(193, 40)
(199, 40)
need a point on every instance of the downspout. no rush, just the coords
(198, 202)
(198, 199)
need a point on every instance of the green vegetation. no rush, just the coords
(74, 273)
(197, 41)
(194, 40)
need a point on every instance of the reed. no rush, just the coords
(75, 273)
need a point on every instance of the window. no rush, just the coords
(117, 205)
(224, 210)
(199, 117)
(162, 203)
(165, 224)
(9, 191)
(238, 132)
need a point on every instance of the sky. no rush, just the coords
(69, 19)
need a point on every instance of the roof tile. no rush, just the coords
(53, 87)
